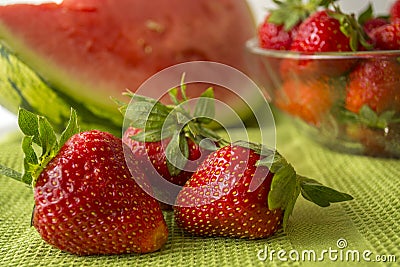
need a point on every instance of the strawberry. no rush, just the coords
(280, 25)
(152, 157)
(387, 37)
(245, 190)
(87, 202)
(320, 33)
(152, 154)
(374, 83)
(395, 11)
(308, 99)
(325, 31)
(369, 21)
(170, 143)
(370, 25)
(275, 36)
(373, 106)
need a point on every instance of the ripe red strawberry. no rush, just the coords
(153, 157)
(275, 36)
(374, 83)
(320, 33)
(387, 37)
(280, 25)
(369, 21)
(373, 23)
(87, 202)
(373, 106)
(308, 99)
(244, 190)
(167, 143)
(395, 11)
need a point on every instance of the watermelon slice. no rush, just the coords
(81, 52)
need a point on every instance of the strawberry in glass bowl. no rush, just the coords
(336, 75)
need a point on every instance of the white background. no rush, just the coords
(8, 120)
(380, 6)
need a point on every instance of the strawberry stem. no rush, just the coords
(351, 27)
(11, 173)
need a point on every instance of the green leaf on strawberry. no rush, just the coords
(324, 3)
(30, 160)
(351, 28)
(158, 122)
(177, 153)
(39, 131)
(28, 123)
(368, 117)
(204, 110)
(291, 12)
(153, 135)
(147, 114)
(366, 14)
(319, 194)
(71, 128)
(286, 186)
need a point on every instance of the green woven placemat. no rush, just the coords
(371, 222)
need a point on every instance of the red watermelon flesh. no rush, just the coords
(97, 48)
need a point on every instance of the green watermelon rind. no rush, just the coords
(21, 86)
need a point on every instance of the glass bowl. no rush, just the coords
(347, 101)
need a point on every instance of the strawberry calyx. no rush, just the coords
(39, 132)
(366, 15)
(159, 121)
(287, 185)
(350, 27)
(291, 12)
(370, 118)
(320, 194)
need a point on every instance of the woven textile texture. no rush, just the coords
(371, 222)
